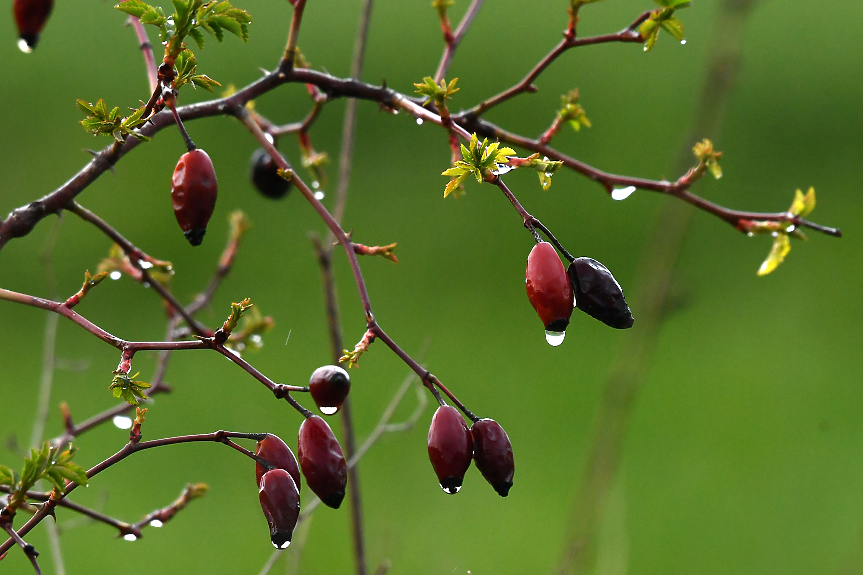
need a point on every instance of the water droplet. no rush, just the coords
(548, 174)
(749, 234)
(282, 546)
(115, 275)
(683, 41)
(645, 48)
(451, 490)
(502, 169)
(130, 537)
(122, 422)
(24, 46)
(419, 121)
(554, 338)
(156, 523)
(255, 338)
(622, 193)
(145, 265)
(319, 196)
(790, 228)
(328, 410)
(774, 234)
(316, 184)
(269, 137)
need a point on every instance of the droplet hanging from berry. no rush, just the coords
(492, 453)
(193, 193)
(329, 386)
(322, 461)
(450, 448)
(277, 453)
(30, 18)
(598, 294)
(549, 291)
(264, 174)
(280, 501)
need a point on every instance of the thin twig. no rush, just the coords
(146, 50)
(452, 45)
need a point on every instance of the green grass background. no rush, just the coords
(744, 452)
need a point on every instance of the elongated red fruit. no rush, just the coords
(329, 386)
(30, 17)
(549, 290)
(280, 501)
(492, 453)
(450, 448)
(193, 192)
(277, 453)
(322, 461)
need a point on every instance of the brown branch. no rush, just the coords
(291, 48)
(455, 40)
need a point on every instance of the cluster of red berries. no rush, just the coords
(452, 446)
(586, 285)
(321, 460)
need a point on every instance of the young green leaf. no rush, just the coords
(780, 249)
(803, 204)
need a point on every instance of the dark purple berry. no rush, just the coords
(450, 448)
(492, 453)
(598, 294)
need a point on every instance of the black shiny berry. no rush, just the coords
(264, 174)
(598, 294)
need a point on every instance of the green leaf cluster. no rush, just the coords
(111, 123)
(439, 93)
(708, 158)
(190, 18)
(50, 463)
(480, 159)
(237, 311)
(802, 206)
(663, 19)
(123, 386)
(187, 66)
(248, 335)
(572, 112)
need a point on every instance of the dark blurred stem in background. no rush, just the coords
(656, 274)
(325, 253)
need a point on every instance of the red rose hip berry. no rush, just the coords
(277, 453)
(193, 192)
(492, 453)
(322, 461)
(450, 448)
(280, 501)
(549, 291)
(30, 17)
(329, 387)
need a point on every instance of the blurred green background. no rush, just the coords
(743, 454)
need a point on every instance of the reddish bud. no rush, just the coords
(193, 192)
(450, 447)
(549, 290)
(492, 453)
(329, 387)
(322, 461)
(279, 455)
(280, 501)
(30, 17)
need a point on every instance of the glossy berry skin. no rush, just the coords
(548, 288)
(193, 192)
(598, 294)
(280, 501)
(492, 453)
(264, 174)
(30, 17)
(450, 448)
(277, 453)
(322, 461)
(329, 387)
